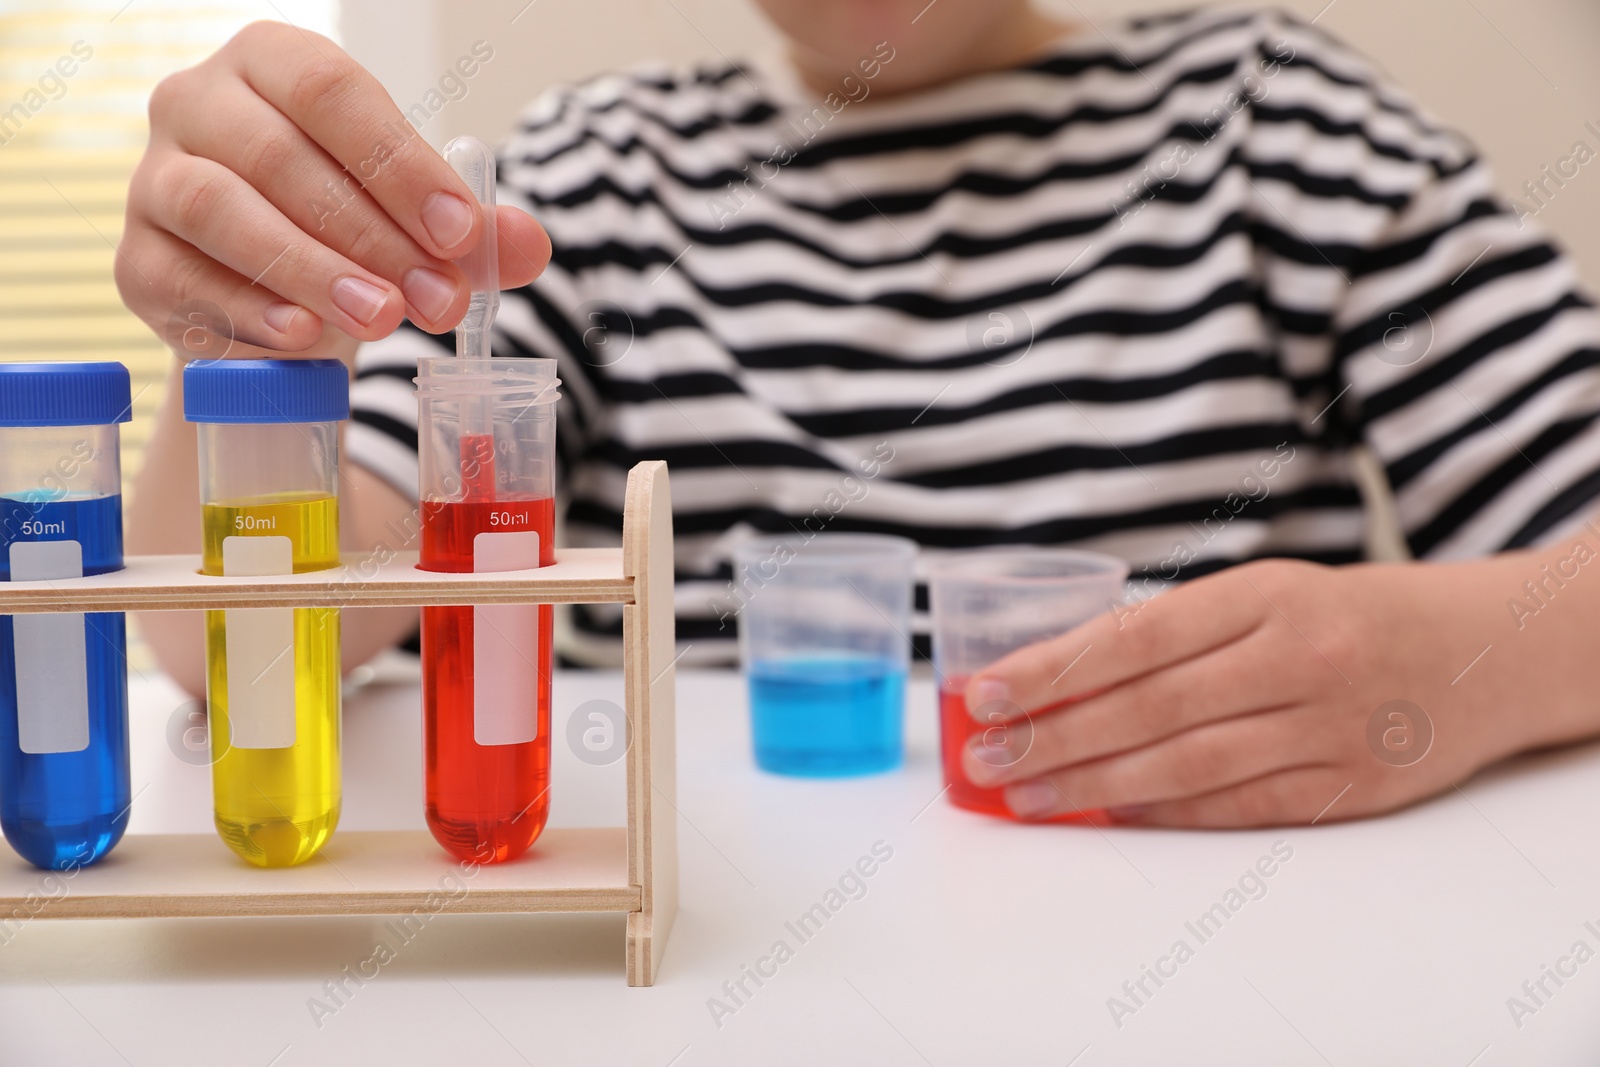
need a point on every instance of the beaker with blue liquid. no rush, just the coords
(824, 634)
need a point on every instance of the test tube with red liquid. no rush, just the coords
(486, 444)
(487, 505)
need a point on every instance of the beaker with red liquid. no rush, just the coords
(986, 606)
(487, 452)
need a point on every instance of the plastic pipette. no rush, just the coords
(474, 162)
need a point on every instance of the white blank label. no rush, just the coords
(51, 655)
(259, 648)
(505, 647)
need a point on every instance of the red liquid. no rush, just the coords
(1004, 743)
(485, 803)
(477, 466)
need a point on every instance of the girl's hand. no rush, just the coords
(1264, 694)
(282, 185)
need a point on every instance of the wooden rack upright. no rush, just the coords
(632, 869)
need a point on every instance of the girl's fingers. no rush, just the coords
(1118, 646)
(163, 273)
(1218, 685)
(524, 247)
(1196, 762)
(312, 191)
(345, 110)
(206, 205)
(1296, 796)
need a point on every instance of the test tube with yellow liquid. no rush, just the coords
(268, 436)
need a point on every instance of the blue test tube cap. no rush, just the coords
(64, 394)
(266, 390)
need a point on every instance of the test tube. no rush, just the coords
(64, 795)
(268, 434)
(487, 505)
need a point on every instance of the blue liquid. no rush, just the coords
(61, 810)
(827, 716)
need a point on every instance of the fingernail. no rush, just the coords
(977, 766)
(988, 767)
(985, 691)
(280, 316)
(359, 299)
(447, 218)
(428, 291)
(1128, 812)
(1033, 798)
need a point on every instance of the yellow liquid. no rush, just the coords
(278, 806)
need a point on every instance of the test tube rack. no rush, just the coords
(632, 869)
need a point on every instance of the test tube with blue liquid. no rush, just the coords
(64, 780)
(824, 634)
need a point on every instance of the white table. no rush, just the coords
(1389, 941)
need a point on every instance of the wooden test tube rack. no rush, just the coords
(632, 869)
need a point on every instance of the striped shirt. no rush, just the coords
(1144, 295)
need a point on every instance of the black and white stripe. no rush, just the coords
(1324, 267)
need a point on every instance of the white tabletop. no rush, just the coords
(1388, 941)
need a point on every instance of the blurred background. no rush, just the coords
(1519, 76)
